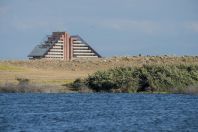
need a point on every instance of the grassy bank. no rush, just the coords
(24, 85)
(172, 78)
(52, 75)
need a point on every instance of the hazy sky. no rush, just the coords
(112, 27)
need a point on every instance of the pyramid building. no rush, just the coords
(62, 46)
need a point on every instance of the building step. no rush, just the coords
(84, 53)
(77, 41)
(80, 47)
(86, 56)
(55, 53)
(82, 50)
(52, 56)
(56, 50)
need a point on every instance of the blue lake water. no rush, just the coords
(98, 112)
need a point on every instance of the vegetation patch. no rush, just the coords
(9, 68)
(24, 86)
(170, 78)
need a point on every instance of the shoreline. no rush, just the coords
(46, 89)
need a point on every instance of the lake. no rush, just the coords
(98, 112)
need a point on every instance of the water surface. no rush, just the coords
(98, 112)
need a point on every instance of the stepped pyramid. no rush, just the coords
(62, 46)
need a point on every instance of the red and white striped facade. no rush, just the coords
(62, 46)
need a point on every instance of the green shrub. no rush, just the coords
(78, 83)
(158, 78)
(23, 84)
(22, 81)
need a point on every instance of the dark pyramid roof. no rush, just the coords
(39, 50)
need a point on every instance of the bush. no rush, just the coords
(158, 78)
(23, 84)
(78, 83)
(22, 80)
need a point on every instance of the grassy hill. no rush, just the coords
(53, 74)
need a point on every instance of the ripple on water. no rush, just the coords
(98, 112)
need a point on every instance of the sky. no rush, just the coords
(111, 27)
